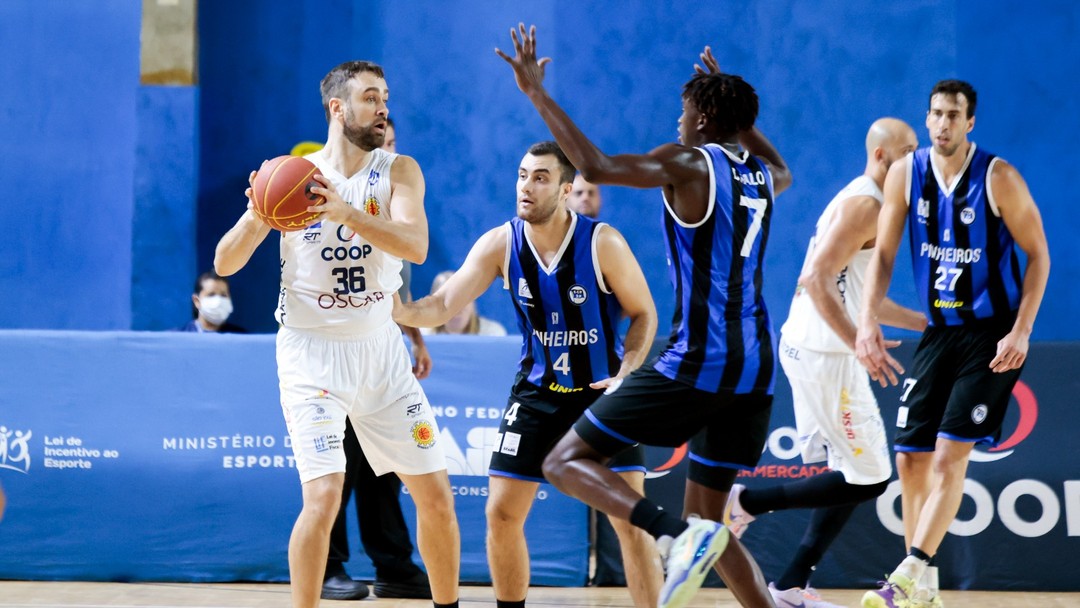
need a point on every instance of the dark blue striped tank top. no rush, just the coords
(964, 259)
(722, 339)
(568, 319)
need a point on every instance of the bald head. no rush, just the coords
(887, 141)
(887, 131)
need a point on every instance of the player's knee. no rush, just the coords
(501, 519)
(436, 506)
(322, 500)
(554, 467)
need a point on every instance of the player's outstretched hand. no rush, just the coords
(528, 71)
(870, 348)
(712, 66)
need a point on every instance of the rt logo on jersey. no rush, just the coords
(577, 294)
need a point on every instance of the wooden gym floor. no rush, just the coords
(18, 594)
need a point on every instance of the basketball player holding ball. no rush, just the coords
(339, 353)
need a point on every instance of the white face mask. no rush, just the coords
(215, 309)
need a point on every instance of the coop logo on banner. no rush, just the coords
(15, 449)
(1004, 506)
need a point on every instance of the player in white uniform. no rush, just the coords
(836, 415)
(339, 353)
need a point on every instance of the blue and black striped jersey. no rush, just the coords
(964, 259)
(722, 339)
(568, 318)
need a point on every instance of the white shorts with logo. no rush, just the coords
(325, 377)
(836, 414)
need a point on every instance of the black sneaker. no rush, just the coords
(415, 587)
(341, 587)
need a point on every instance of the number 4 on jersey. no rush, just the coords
(562, 364)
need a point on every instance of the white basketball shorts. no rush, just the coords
(325, 377)
(836, 414)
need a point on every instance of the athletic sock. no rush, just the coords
(912, 567)
(652, 518)
(825, 525)
(504, 604)
(929, 581)
(824, 490)
(453, 604)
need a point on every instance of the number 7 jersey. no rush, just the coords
(331, 277)
(964, 259)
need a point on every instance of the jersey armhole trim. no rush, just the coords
(907, 185)
(712, 195)
(989, 190)
(506, 258)
(596, 258)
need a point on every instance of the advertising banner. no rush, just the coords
(139, 456)
(1019, 523)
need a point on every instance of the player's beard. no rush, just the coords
(364, 138)
(539, 214)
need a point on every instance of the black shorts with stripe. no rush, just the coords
(726, 431)
(535, 420)
(951, 392)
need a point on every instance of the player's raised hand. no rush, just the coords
(712, 66)
(528, 71)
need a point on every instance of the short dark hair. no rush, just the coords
(726, 100)
(206, 276)
(954, 88)
(566, 168)
(336, 83)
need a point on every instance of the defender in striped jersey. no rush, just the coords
(712, 385)
(967, 212)
(571, 280)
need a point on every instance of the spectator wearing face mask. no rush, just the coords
(211, 306)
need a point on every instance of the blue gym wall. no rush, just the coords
(113, 165)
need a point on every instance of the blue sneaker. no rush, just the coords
(689, 560)
(894, 593)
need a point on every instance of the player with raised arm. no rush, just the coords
(713, 383)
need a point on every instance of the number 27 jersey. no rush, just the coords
(964, 259)
(331, 277)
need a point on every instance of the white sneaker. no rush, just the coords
(691, 556)
(735, 517)
(798, 598)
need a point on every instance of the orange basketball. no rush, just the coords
(282, 192)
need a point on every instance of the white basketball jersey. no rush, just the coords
(805, 327)
(331, 277)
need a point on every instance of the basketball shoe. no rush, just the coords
(735, 517)
(798, 598)
(919, 601)
(690, 556)
(894, 593)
